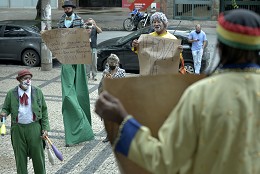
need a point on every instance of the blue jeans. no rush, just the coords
(197, 57)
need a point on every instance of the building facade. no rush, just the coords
(174, 9)
(24, 3)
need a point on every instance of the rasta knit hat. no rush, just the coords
(239, 28)
(23, 73)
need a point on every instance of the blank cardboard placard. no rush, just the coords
(69, 45)
(158, 55)
(150, 99)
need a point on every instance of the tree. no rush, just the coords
(234, 4)
(39, 9)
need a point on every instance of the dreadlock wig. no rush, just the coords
(159, 16)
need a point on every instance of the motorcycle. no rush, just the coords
(131, 22)
(145, 22)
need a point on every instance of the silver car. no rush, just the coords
(20, 43)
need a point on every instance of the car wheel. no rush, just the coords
(189, 68)
(30, 58)
(104, 64)
(129, 24)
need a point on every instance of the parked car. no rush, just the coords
(121, 46)
(20, 43)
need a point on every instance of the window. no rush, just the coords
(12, 31)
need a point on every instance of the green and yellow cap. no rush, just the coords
(239, 28)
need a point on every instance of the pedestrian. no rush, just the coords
(215, 135)
(112, 71)
(93, 30)
(29, 121)
(198, 41)
(159, 22)
(75, 94)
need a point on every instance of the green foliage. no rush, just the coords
(234, 4)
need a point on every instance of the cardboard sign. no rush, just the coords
(158, 55)
(150, 99)
(69, 45)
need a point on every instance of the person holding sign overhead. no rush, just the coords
(75, 95)
(216, 135)
(159, 22)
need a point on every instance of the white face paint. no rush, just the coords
(26, 83)
(158, 26)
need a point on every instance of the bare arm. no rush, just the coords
(204, 43)
(192, 40)
(97, 27)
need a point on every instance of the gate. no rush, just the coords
(253, 5)
(192, 9)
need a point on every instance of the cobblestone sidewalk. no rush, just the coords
(85, 158)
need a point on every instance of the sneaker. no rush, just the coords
(105, 140)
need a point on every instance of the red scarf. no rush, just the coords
(24, 99)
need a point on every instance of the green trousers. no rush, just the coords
(26, 142)
(75, 104)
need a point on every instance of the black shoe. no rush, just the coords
(105, 140)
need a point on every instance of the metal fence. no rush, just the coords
(192, 9)
(253, 5)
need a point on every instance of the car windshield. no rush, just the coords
(132, 35)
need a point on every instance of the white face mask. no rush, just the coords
(26, 83)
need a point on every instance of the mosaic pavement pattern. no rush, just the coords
(84, 158)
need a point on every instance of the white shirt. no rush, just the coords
(68, 23)
(25, 114)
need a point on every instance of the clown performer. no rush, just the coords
(75, 94)
(159, 23)
(216, 135)
(29, 123)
